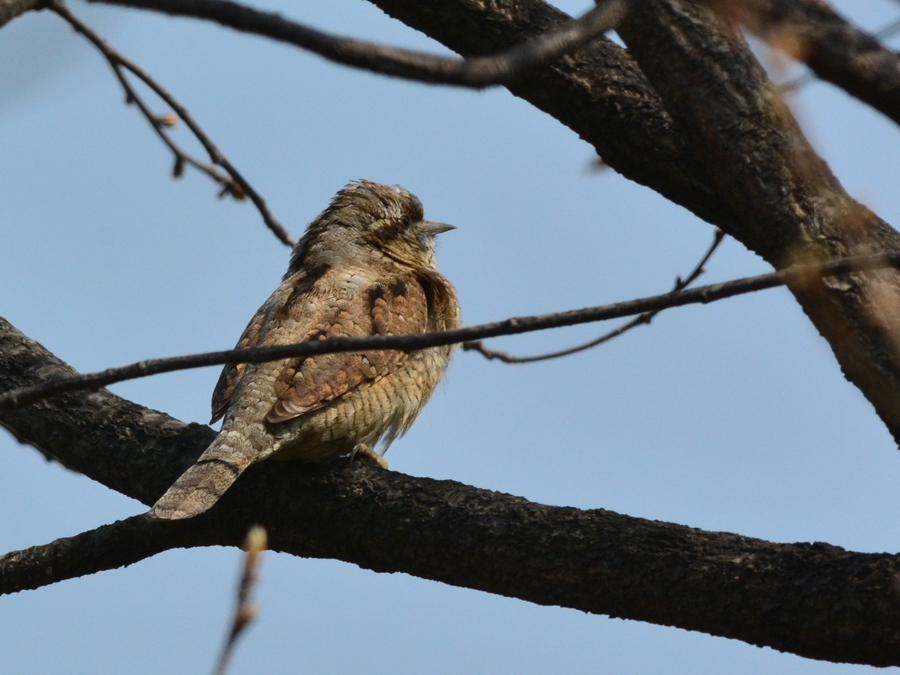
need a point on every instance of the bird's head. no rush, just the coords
(367, 221)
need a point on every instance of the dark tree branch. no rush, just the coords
(834, 49)
(791, 205)
(599, 91)
(10, 9)
(884, 33)
(798, 276)
(814, 600)
(818, 601)
(641, 320)
(233, 183)
(742, 163)
(404, 63)
(108, 547)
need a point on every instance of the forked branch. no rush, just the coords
(232, 182)
(640, 320)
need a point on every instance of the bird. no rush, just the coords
(365, 266)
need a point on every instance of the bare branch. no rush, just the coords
(797, 275)
(233, 183)
(643, 319)
(833, 48)
(108, 547)
(419, 66)
(815, 600)
(888, 31)
(789, 204)
(602, 95)
(10, 9)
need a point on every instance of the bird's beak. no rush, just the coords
(431, 228)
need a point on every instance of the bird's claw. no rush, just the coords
(365, 451)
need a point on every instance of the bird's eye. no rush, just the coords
(405, 221)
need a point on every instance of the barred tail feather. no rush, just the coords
(201, 486)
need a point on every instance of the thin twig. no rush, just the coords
(646, 318)
(796, 274)
(476, 72)
(232, 182)
(244, 612)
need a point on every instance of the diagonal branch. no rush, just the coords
(888, 31)
(798, 276)
(120, 544)
(814, 600)
(233, 183)
(404, 63)
(723, 145)
(10, 9)
(792, 207)
(833, 48)
(598, 91)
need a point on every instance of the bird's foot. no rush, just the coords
(365, 451)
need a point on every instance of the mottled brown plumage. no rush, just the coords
(364, 267)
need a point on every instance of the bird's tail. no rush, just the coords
(206, 481)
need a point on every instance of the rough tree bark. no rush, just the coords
(689, 113)
(815, 600)
(835, 50)
(740, 163)
(710, 134)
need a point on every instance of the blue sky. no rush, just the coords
(729, 417)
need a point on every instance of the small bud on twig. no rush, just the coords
(169, 120)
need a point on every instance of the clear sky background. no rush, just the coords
(729, 417)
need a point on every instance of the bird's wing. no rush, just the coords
(288, 295)
(232, 373)
(390, 305)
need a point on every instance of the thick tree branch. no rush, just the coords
(10, 9)
(108, 547)
(792, 207)
(815, 600)
(742, 164)
(798, 276)
(599, 92)
(98, 434)
(835, 50)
